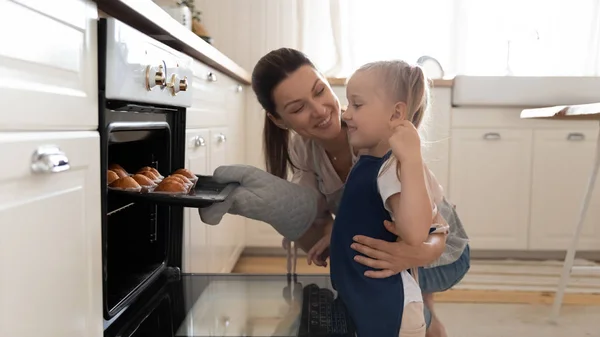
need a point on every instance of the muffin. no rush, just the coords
(111, 176)
(144, 181)
(183, 180)
(186, 173)
(126, 184)
(114, 166)
(151, 169)
(151, 175)
(121, 173)
(170, 187)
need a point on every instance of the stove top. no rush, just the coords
(217, 305)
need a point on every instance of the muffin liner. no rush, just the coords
(129, 189)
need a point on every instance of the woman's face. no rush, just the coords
(306, 104)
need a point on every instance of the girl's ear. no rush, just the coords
(277, 121)
(399, 111)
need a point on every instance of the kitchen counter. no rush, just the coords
(436, 83)
(150, 19)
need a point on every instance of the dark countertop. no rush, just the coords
(150, 19)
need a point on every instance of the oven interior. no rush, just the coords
(136, 235)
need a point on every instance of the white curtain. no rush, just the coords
(477, 37)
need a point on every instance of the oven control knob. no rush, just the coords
(177, 85)
(155, 76)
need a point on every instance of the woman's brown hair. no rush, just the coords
(268, 73)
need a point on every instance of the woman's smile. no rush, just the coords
(324, 124)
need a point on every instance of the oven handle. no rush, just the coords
(120, 126)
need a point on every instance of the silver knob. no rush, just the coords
(221, 138)
(176, 85)
(211, 77)
(492, 136)
(49, 159)
(199, 141)
(239, 88)
(155, 76)
(577, 136)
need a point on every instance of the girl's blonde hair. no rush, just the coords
(402, 82)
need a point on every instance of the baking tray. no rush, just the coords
(205, 193)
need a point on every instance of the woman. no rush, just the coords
(296, 97)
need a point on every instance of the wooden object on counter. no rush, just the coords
(436, 82)
(150, 19)
(588, 112)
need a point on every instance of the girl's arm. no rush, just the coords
(409, 202)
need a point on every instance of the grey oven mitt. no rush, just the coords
(289, 208)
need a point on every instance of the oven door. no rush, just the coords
(218, 305)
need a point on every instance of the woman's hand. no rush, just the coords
(393, 257)
(320, 252)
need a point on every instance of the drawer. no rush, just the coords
(49, 70)
(217, 97)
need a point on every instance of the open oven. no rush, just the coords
(142, 115)
(140, 238)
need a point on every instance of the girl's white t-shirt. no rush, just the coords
(388, 185)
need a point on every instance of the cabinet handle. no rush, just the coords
(49, 159)
(239, 88)
(578, 136)
(221, 138)
(211, 77)
(199, 141)
(491, 136)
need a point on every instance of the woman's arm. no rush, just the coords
(393, 257)
(303, 174)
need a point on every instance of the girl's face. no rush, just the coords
(369, 112)
(307, 105)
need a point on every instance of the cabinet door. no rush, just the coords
(50, 235)
(48, 65)
(561, 168)
(490, 173)
(221, 236)
(196, 249)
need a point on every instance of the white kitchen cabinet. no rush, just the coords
(562, 162)
(197, 250)
(50, 234)
(217, 116)
(490, 178)
(48, 65)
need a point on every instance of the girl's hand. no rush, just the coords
(319, 252)
(405, 141)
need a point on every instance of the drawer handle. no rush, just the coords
(239, 88)
(49, 159)
(211, 77)
(577, 136)
(199, 141)
(221, 138)
(491, 136)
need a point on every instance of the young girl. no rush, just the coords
(387, 101)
